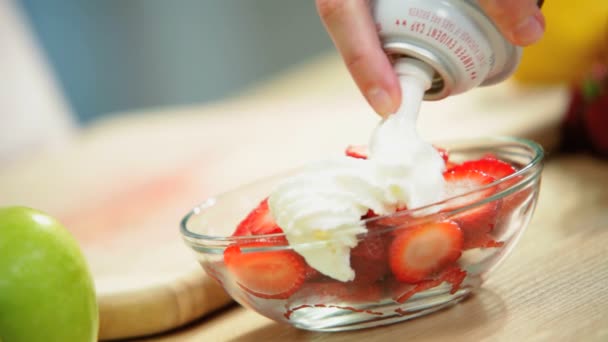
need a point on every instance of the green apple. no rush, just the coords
(46, 290)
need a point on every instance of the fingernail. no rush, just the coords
(529, 30)
(380, 101)
(539, 3)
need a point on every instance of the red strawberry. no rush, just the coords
(369, 258)
(496, 168)
(370, 213)
(368, 271)
(453, 275)
(401, 292)
(450, 165)
(395, 220)
(477, 222)
(416, 253)
(311, 273)
(258, 222)
(373, 247)
(266, 274)
(357, 151)
(596, 123)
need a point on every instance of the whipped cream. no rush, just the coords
(320, 208)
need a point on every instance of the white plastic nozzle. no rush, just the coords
(415, 68)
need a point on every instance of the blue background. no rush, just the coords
(112, 55)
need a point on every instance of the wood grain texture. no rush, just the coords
(123, 185)
(554, 287)
(153, 309)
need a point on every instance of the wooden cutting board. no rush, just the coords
(123, 185)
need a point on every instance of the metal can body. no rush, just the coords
(455, 37)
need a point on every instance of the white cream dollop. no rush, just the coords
(320, 208)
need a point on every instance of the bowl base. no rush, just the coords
(332, 319)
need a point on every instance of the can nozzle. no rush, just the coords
(412, 67)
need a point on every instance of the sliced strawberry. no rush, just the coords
(258, 222)
(395, 220)
(311, 273)
(372, 247)
(266, 274)
(370, 214)
(401, 292)
(417, 253)
(453, 275)
(496, 168)
(357, 151)
(368, 271)
(477, 222)
(450, 166)
(369, 258)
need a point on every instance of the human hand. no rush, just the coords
(352, 29)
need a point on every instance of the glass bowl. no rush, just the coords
(324, 304)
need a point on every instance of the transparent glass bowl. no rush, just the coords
(324, 304)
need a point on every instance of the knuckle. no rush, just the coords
(495, 8)
(508, 11)
(356, 61)
(330, 8)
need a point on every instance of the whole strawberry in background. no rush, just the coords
(585, 127)
(595, 117)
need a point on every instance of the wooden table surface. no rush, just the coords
(141, 171)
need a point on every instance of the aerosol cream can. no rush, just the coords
(454, 37)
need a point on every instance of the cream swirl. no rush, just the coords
(320, 208)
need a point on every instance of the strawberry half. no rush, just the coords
(311, 273)
(372, 247)
(258, 222)
(417, 253)
(490, 166)
(400, 218)
(266, 274)
(357, 151)
(450, 166)
(401, 292)
(477, 222)
(369, 258)
(498, 169)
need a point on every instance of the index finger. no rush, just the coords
(352, 29)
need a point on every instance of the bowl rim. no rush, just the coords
(195, 239)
